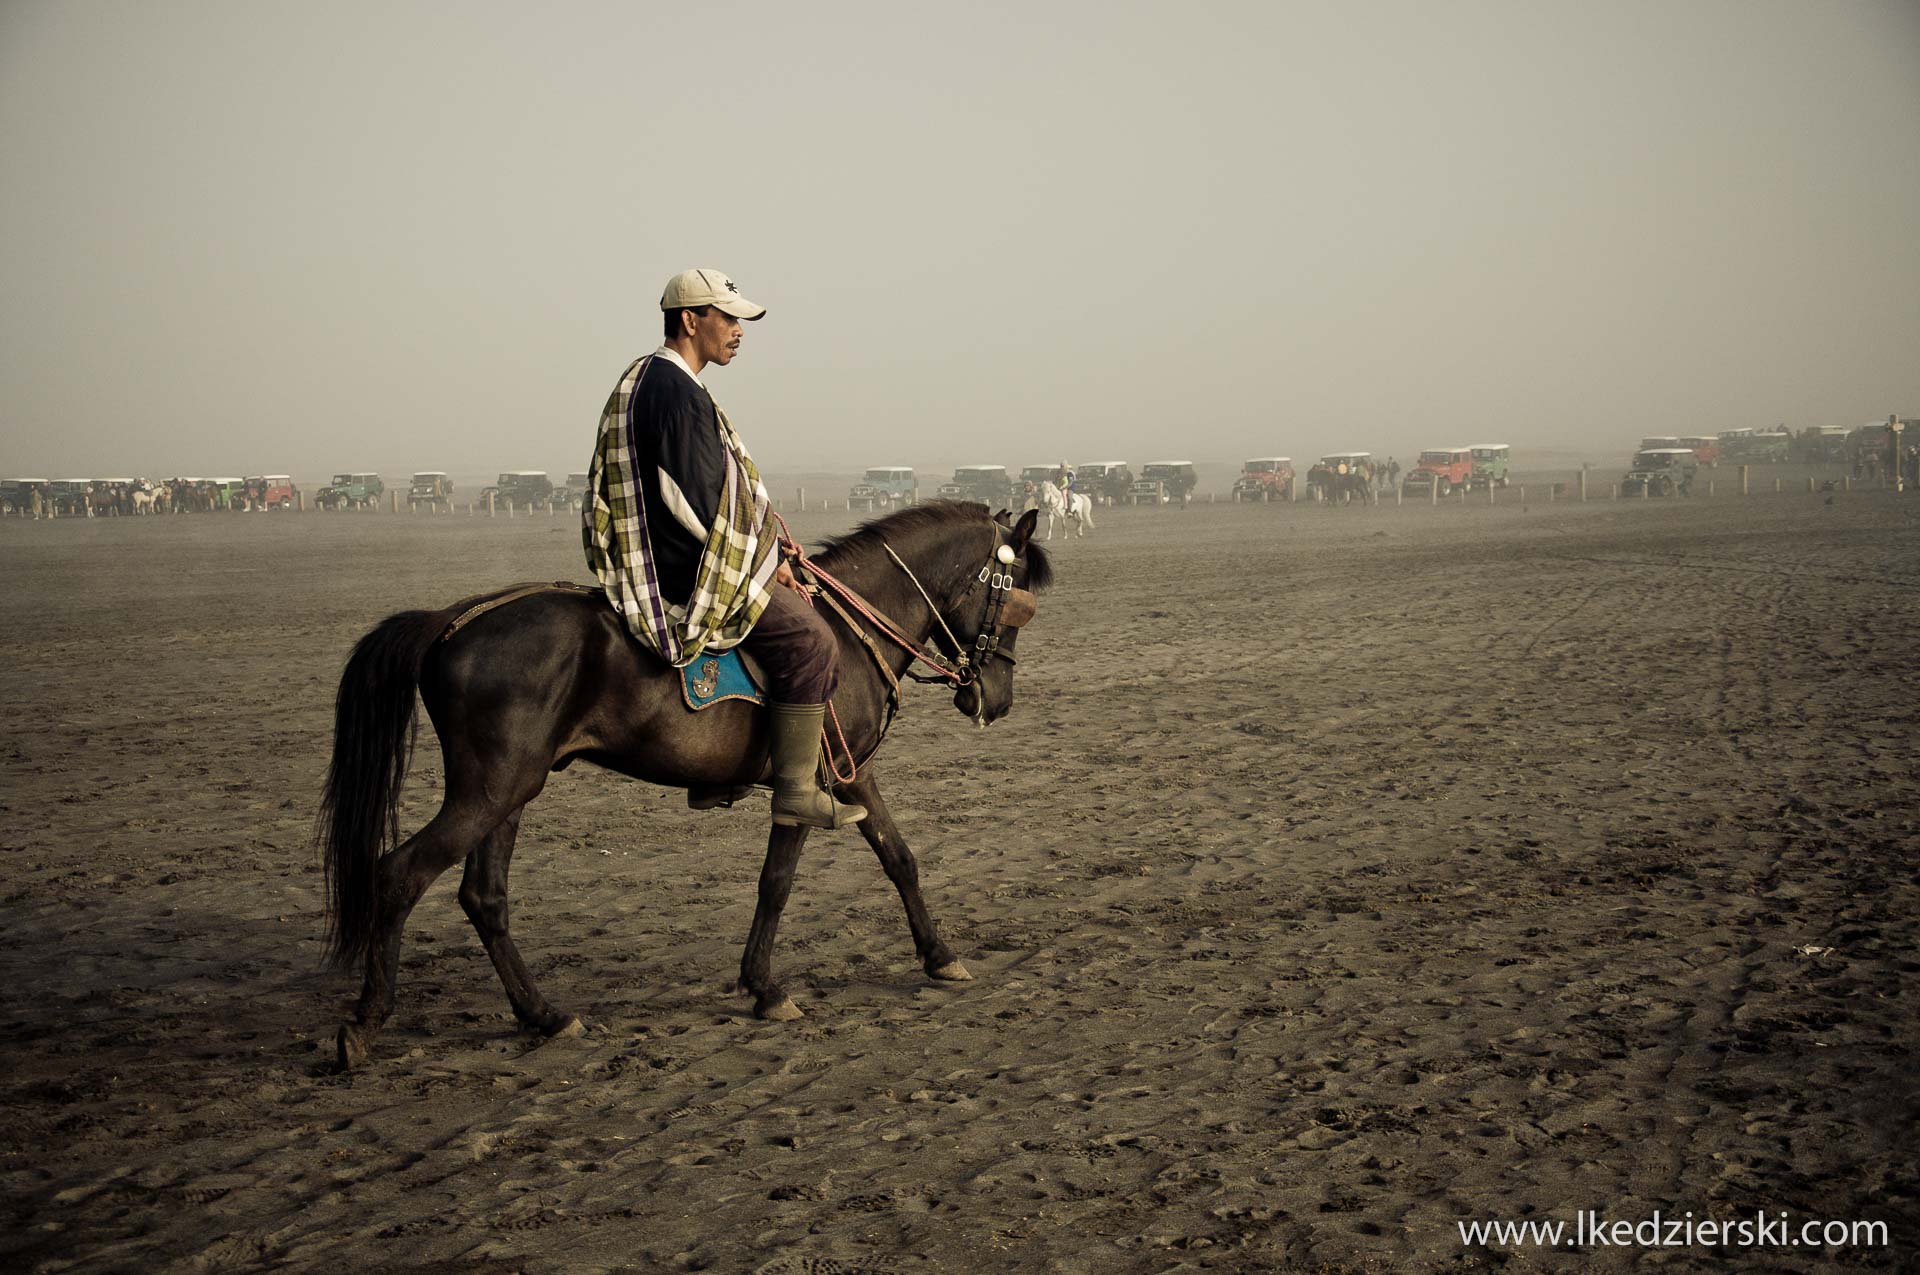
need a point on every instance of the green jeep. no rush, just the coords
(516, 487)
(1490, 463)
(351, 491)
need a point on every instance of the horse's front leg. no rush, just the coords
(756, 963)
(878, 828)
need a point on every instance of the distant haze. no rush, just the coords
(272, 236)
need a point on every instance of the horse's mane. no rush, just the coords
(929, 515)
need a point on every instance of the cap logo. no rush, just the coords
(730, 288)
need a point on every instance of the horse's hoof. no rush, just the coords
(951, 972)
(351, 1047)
(568, 1030)
(782, 1011)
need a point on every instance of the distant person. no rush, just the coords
(680, 529)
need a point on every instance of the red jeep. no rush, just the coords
(1705, 450)
(1440, 471)
(1265, 478)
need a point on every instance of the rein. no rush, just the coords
(1007, 607)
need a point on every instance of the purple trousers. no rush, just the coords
(796, 649)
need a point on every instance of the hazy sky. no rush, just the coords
(247, 236)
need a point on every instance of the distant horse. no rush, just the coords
(540, 681)
(1356, 483)
(1059, 505)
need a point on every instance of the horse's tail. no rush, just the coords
(373, 733)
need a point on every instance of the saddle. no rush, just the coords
(708, 680)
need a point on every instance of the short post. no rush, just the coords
(1433, 493)
(1646, 491)
(1583, 484)
(800, 495)
(393, 501)
(1550, 491)
(1709, 486)
(299, 502)
(1898, 467)
(1396, 495)
(1490, 491)
(490, 504)
(1523, 496)
(1746, 480)
(1846, 482)
(1776, 486)
(1809, 486)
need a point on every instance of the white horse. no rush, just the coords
(1055, 503)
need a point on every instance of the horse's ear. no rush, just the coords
(1023, 530)
(1004, 517)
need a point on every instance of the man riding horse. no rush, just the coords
(681, 532)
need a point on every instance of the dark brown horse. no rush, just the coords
(531, 686)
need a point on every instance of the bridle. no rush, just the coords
(1007, 607)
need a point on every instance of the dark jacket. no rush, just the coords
(676, 434)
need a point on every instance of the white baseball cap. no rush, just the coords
(691, 289)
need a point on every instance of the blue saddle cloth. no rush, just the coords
(710, 679)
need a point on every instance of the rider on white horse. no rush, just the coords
(1057, 502)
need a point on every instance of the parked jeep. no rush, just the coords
(16, 496)
(885, 487)
(1265, 478)
(571, 494)
(1660, 471)
(1439, 471)
(432, 488)
(1490, 464)
(1106, 481)
(1824, 444)
(517, 487)
(1164, 482)
(1756, 446)
(351, 491)
(1705, 450)
(271, 491)
(230, 495)
(988, 484)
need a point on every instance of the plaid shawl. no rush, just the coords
(734, 581)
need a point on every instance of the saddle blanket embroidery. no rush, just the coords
(711, 679)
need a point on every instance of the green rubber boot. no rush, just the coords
(798, 799)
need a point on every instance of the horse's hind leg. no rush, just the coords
(483, 896)
(878, 828)
(403, 876)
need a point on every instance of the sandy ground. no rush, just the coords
(1340, 875)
